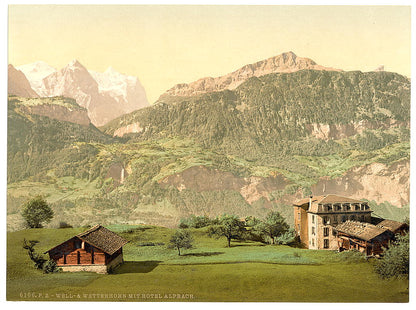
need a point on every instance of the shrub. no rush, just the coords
(50, 267)
(395, 261)
(63, 224)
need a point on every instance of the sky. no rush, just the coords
(167, 45)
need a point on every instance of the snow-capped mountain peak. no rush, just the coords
(35, 73)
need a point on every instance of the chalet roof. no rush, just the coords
(361, 230)
(390, 225)
(103, 238)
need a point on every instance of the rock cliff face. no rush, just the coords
(374, 182)
(286, 62)
(18, 84)
(339, 131)
(59, 108)
(201, 179)
(130, 128)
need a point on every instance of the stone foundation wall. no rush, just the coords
(94, 268)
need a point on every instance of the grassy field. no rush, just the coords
(248, 271)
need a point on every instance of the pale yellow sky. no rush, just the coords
(166, 45)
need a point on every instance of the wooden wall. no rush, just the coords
(68, 253)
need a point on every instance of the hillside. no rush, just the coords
(259, 147)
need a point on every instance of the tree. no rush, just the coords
(273, 226)
(228, 226)
(395, 261)
(181, 239)
(48, 266)
(37, 211)
(195, 221)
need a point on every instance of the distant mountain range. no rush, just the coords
(105, 95)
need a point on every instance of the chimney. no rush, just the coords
(310, 201)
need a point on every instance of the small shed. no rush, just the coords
(364, 237)
(97, 250)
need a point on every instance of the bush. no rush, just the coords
(50, 267)
(63, 224)
(395, 261)
(286, 238)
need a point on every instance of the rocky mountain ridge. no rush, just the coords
(285, 62)
(18, 84)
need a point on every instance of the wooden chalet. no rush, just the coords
(97, 249)
(364, 237)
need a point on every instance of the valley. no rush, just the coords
(259, 146)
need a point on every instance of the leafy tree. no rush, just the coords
(252, 233)
(39, 261)
(395, 261)
(195, 222)
(181, 239)
(273, 226)
(228, 226)
(37, 211)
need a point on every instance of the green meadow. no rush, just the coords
(248, 271)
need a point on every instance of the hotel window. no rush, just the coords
(313, 242)
(313, 230)
(299, 216)
(326, 243)
(326, 220)
(344, 218)
(313, 219)
(352, 217)
(326, 231)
